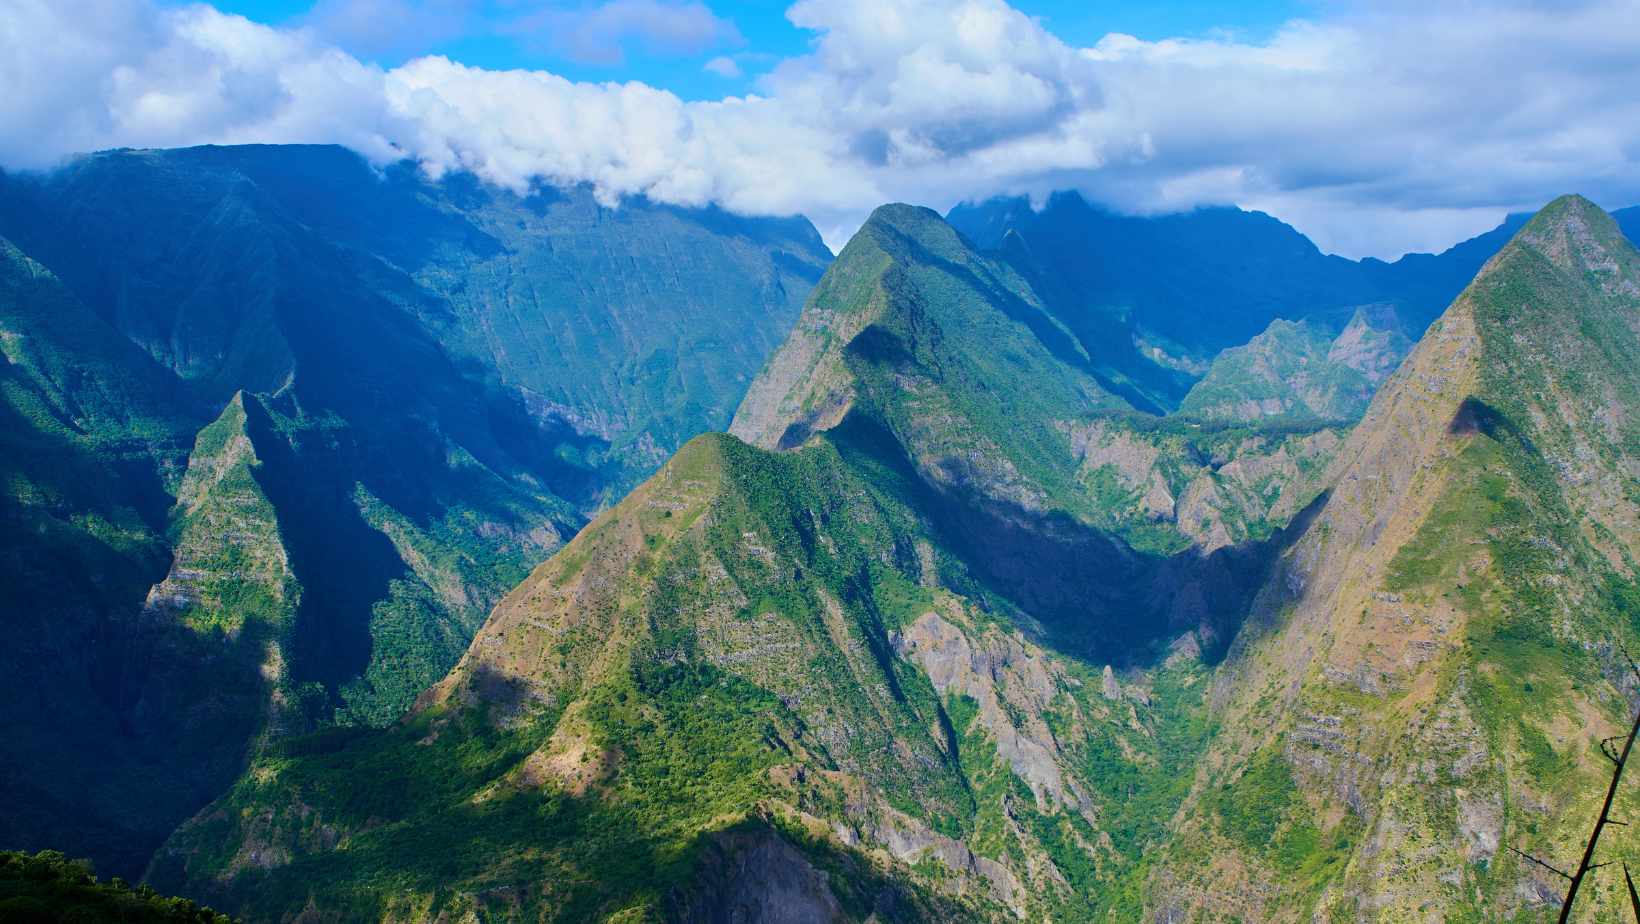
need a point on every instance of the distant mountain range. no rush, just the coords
(281, 429)
(1191, 284)
(367, 551)
(886, 657)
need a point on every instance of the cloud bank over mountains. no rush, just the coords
(1375, 129)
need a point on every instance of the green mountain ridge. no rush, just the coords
(867, 647)
(956, 623)
(794, 675)
(723, 657)
(1302, 370)
(283, 428)
(1421, 687)
(994, 400)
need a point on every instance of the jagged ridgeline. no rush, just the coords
(1191, 284)
(1429, 672)
(277, 430)
(1188, 285)
(858, 669)
(1018, 427)
(1302, 370)
(854, 660)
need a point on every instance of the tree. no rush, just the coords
(1587, 865)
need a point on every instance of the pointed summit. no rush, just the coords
(912, 325)
(1443, 631)
(911, 220)
(1574, 234)
(1570, 211)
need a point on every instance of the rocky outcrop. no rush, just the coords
(1411, 656)
(1012, 688)
(1304, 370)
(1209, 489)
(228, 552)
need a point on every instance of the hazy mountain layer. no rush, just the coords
(281, 429)
(861, 670)
(1302, 370)
(1188, 285)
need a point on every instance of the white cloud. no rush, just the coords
(723, 67)
(104, 73)
(1373, 130)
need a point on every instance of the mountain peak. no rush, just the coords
(911, 300)
(1572, 253)
(892, 227)
(1567, 205)
(901, 214)
(1573, 233)
(1475, 525)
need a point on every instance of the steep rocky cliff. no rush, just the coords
(879, 646)
(772, 644)
(281, 428)
(1437, 656)
(861, 671)
(1004, 410)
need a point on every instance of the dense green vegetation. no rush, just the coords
(49, 888)
(736, 643)
(306, 455)
(1300, 371)
(660, 746)
(269, 411)
(1263, 811)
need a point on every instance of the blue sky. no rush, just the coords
(762, 35)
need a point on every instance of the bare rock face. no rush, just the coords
(1373, 343)
(1210, 491)
(998, 675)
(1412, 660)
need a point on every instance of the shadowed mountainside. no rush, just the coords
(1187, 285)
(884, 643)
(280, 430)
(779, 659)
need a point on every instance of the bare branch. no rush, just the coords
(1526, 856)
(1630, 658)
(1634, 897)
(1587, 864)
(1608, 748)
